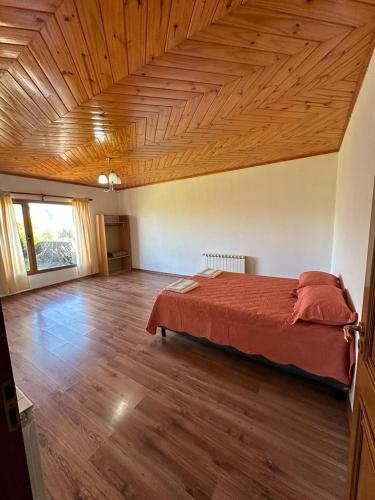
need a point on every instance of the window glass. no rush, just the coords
(21, 231)
(53, 235)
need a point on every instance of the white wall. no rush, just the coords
(355, 185)
(280, 215)
(102, 203)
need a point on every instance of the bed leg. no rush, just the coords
(163, 334)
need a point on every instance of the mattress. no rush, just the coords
(251, 313)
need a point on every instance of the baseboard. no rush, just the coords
(160, 273)
(50, 285)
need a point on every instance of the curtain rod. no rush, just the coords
(45, 195)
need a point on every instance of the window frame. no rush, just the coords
(30, 236)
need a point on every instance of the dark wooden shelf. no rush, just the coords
(113, 235)
(119, 257)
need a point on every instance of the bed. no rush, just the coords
(250, 313)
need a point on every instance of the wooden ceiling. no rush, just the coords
(175, 88)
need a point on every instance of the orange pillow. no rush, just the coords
(310, 278)
(322, 304)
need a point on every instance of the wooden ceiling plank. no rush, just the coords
(234, 36)
(174, 120)
(9, 117)
(113, 101)
(136, 114)
(10, 51)
(224, 7)
(22, 77)
(179, 74)
(187, 62)
(15, 36)
(326, 94)
(57, 46)
(114, 29)
(271, 83)
(38, 5)
(355, 75)
(265, 116)
(304, 69)
(280, 23)
(151, 124)
(140, 132)
(54, 141)
(9, 137)
(12, 127)
(203, 15)
(73, 127)
(348, 12)
(249, 89)
(109, 125)
(349, 71)
(68, 19)
(5, 63)
(22, 18)
(135, 14)
(353, 49)
(18, 110)
(189, 110)
(61, 134)
(215, 52)
(179, 22)
(163, 119)
(167, 83)
(113, 113)
(206, 102)
(23, 99)
(46, 62)
(165, 93)
(158, 14)
(218, 106)
(329, 55)
(4, 144)
(93, 29)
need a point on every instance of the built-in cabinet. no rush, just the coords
(114, 246)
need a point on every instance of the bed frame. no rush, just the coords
(340, 390)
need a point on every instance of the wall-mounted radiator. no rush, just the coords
(225, 262)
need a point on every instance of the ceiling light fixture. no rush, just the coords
(111, 179)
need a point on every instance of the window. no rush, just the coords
(46, 234)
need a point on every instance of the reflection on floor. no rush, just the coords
(123, 414)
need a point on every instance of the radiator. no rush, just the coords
(225, 262)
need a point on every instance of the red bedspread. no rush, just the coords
(251, 314)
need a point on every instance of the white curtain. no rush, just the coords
(13, 275)
(85, 239)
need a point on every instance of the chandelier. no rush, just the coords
(111, 180)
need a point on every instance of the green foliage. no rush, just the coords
(42, 236)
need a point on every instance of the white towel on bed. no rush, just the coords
(209, 273)
(182, 286)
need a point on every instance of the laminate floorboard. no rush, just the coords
(123, 414)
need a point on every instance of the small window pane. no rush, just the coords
(21, 231)
(53, 235)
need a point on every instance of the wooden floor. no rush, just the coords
(123, 414)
